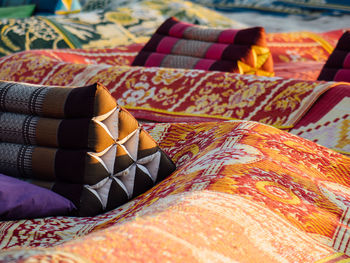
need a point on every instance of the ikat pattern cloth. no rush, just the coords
(157, 94)
(244, 186)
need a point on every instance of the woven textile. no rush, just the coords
(94, 182)
(177, 44)
(98, 162)
(328, 122)
(213, 95)
(298, 55)
(55, 102)
(245, 186)
(157, 94)
(301, 55)
(337, 66)
(94, 134)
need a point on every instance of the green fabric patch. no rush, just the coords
(17, 11)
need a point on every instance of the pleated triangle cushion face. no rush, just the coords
(337, 66)
(55, 164)
(55, 102)
(92, 134)
(176, 44)
(137, 164)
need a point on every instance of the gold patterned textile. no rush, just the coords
(241, 190)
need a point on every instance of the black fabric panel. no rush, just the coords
(250, 36)
(89, 205)
(222, 65)
(70, 191)
(73, 133)
(143, 153)
(336, 59)
(166, 167)
(167, 25)
(152, 44)
(122, 162)
(116, 196)
(142, 182)
(70, 165)
(344, 42)
(236, 52)
(141, 58)
(80, 102)
(327, 74)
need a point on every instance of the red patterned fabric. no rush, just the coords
(162, 94)
(241, 190)
(301, 55)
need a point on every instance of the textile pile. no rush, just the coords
(164, 131)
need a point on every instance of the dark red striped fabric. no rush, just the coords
(177, 44)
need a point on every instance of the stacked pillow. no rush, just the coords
(337, 67)
(79, 143)
(177, 44)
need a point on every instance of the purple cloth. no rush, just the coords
(19, 200)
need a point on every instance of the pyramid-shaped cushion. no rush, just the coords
(98, 156)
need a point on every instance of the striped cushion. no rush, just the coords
(337, 67)
(55, 102)
(98, 160)
(91, 134)
(177, 44)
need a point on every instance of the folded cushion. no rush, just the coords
(76, 166)
(55, 102)
(98, 160)
(337, 67)
(19, 199)
(182, 45)
(95, 134)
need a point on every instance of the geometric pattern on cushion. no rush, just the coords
(55, 102)
(93, 134)
(137, 164)
(97, 163)
(337, 66)
(177, 44)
